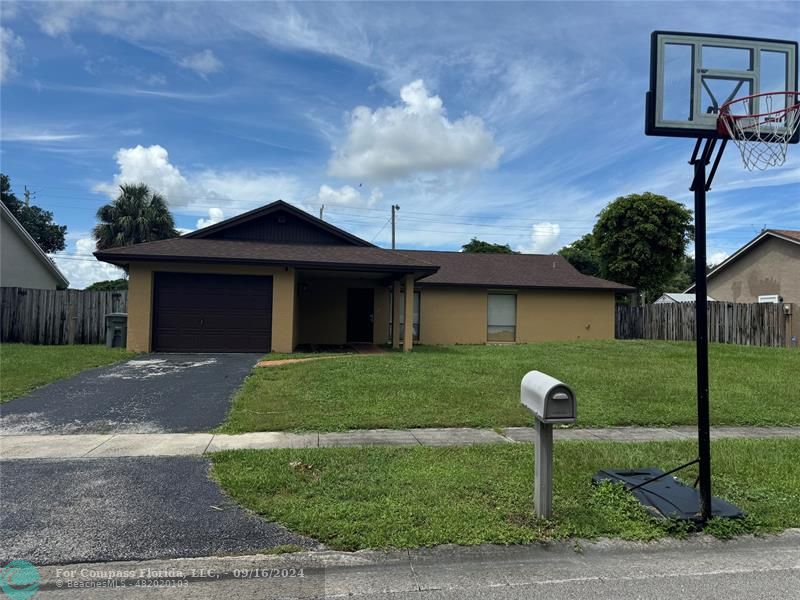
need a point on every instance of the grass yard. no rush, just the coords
(24, 367)
(639, 382)
(378, 497)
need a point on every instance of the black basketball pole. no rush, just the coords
(700, 185)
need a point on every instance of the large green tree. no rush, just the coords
(641, 240)
(137, 215)
(582, 255)
(36, 221)
(108, 285)
(480, 247)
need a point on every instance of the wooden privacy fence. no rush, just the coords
(57, 316)
(728, 323)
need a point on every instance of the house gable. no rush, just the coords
(279, 223)
(787, 241)
(22, 262)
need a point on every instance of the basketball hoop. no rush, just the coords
(761, 126)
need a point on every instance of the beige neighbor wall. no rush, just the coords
(771, 267)
(453, 315)
(140, 299)
(322, 310)
(19, 266)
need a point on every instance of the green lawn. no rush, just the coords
(24, 367)
(617, 383)
(379, 497)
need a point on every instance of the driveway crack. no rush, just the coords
(213, 435)
(411, 432)
(110, 437)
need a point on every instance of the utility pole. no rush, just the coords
(27, 193)
(321, 210)
(395, 208)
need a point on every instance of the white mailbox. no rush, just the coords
(550, 400)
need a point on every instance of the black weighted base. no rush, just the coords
(667, 498)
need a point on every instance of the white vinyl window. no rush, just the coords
(502, 318)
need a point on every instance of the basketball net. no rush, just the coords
(762, 138)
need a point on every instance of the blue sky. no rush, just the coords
(512, 122)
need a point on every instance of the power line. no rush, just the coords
(381, 229)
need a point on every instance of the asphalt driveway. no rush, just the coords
(63, 511)
(152, 393)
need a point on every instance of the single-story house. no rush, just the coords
(22, 262)
(277, 277)
(767, 268)
(677, 297)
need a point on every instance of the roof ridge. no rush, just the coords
(476, 253)
(273, 207)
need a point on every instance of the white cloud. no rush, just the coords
(544, 239)
(195, 193)
(215, 215)
(80, 267)
(21, 135)
(10, 47)
(348, 195)
(203, 63)
(394, 142)
(149, 165)
(717, 257)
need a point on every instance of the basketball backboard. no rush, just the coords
(693, 74)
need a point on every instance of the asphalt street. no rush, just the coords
(153, 393)
(701, 567)
(110, 509)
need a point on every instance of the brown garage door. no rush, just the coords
(212, 313)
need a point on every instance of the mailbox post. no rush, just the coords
(551, 402)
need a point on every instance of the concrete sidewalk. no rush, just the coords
(196, 444)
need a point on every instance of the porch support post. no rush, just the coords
(408, 325)
(396, 308)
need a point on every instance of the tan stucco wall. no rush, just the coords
(140, 300)
(452, 316)
(564, 315)
(316, 310)
(322, 310)
(771, 267)
(19, 266)
(459, 315)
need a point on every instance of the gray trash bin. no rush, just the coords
(117, 330)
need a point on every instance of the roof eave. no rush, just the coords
(509, 286)
(125, 260)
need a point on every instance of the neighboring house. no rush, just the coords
(277, 277)
(22, 262)
(768, 265)
(674, 297)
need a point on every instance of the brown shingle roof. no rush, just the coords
(789, 233)
(509, 270)
(310, 255)
(443, 268)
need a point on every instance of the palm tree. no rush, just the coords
(137, 215)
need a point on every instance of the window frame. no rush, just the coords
(489, 326)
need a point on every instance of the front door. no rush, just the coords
(360, 307)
